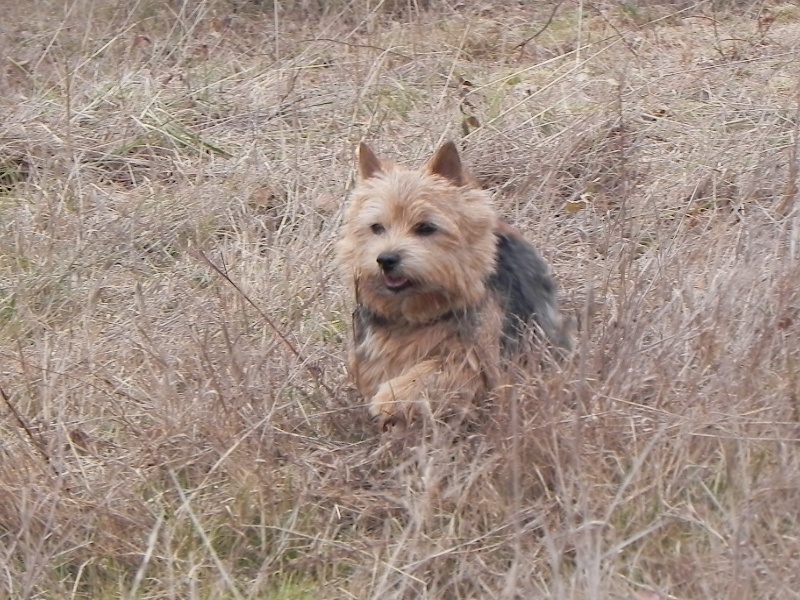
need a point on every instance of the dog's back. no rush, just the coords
(526, 289)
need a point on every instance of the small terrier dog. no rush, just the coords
(445, 291)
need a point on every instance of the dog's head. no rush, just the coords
(418, 243)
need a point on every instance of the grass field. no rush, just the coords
(176, 419)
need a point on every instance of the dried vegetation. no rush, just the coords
(176, 417)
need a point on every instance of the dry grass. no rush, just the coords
(176, 417)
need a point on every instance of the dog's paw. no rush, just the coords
(387, 411)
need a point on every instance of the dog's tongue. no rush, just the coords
(395, 282)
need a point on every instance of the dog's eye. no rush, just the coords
(425, 228)
(377, 228)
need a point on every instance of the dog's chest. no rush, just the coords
(382, 351)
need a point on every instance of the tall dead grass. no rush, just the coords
(176, 416)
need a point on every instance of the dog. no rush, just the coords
(446, 292)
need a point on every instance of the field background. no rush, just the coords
(176, 419)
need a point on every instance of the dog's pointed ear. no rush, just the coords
(446, 163)
(369, 165)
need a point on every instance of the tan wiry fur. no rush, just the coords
(419, 248)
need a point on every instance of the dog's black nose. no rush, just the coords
(388, 260)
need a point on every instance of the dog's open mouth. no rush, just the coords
(396, 284)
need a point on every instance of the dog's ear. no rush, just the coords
(369, 165)
(446, 163)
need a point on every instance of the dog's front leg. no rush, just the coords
(399, 399)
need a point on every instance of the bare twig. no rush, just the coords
(28, 431)
(314, 372)
(365, 46)
(790, 191)
(522, 44)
